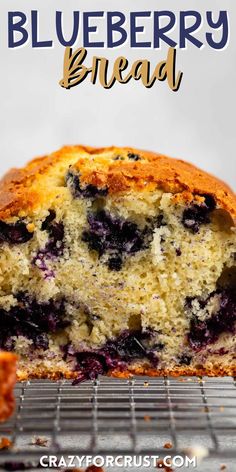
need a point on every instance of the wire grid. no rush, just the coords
(111, 416)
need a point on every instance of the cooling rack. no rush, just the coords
(109, 416)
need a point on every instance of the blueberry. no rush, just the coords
(32, 320)
(54, 247)
(115, 263)
(185, 359)
(108, 234)
(55, 229)
(86, 191)
(41, 341)
(48, 220)
(56, 233)
(90, 366)
(14, 233)
(158, 347)
(94, 243)
(133, 156)
(209, 202)
(203, 333)
(198, 214)
(129, 346)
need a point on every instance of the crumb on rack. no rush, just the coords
(168, 445)
(5, 443)
(164, 467)
(146, 384)
(41, 441)
(147, 418)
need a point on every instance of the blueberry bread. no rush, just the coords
(117, 261)
(7, 382)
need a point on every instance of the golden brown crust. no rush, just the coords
(178, 372)
(24, 189)
(7, 382)
(137, 371)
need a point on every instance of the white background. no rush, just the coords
(197, 123)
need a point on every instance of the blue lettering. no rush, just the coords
(16, 27)
(117, 26)
(186, 32)
(159, 32)
(134, 29)
(35, 41)
(75, 33)
(221, 23)
(91, 29)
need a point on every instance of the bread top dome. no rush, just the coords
(116, 169)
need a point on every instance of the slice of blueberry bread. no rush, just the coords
(117, 261)
(7, 383)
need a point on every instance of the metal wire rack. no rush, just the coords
(110, 416)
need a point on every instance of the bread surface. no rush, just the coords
(22, 190)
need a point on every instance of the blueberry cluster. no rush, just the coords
(31, 319)
(116, 236)
(208, 331)
(14, 233)
(116, 353)
(197, 215)
(85, 191)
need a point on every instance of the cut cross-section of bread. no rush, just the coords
(117, 261)
(7, 383)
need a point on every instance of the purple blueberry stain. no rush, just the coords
(31, 319)
(54, 248)
(14, 233)
(116, 237)
(40, 262)
(198, 214)
(205, 332)
(86, 191)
